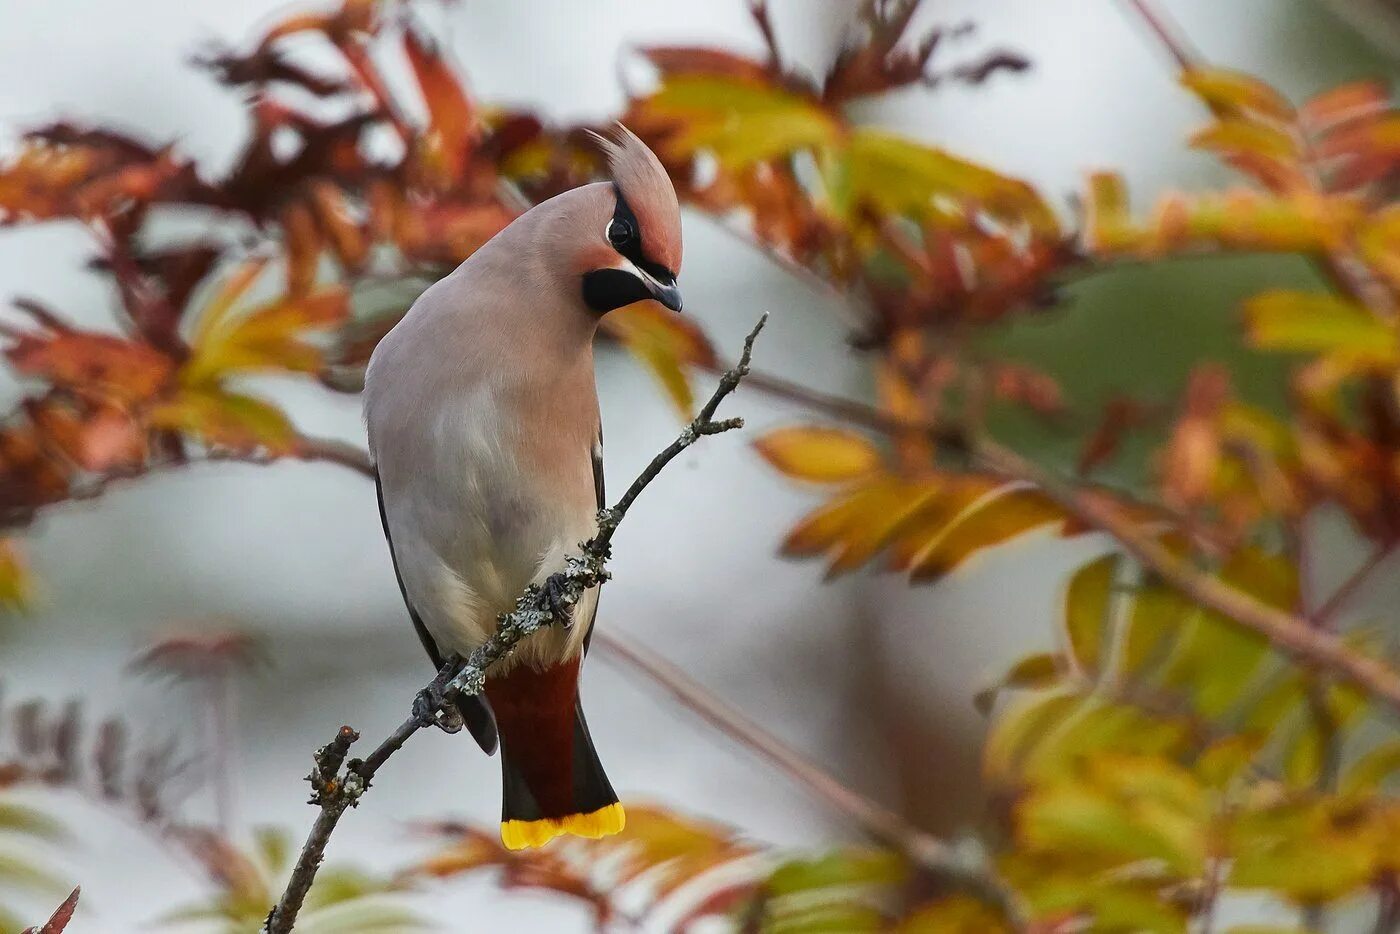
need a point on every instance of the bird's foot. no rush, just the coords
(432, 708)
(556, 592)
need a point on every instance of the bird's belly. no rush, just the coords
(491, 537)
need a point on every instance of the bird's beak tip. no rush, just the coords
(670, 296)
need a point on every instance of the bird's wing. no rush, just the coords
(601, 496)
(475, 710)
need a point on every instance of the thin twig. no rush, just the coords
(1166, 34)
(1324, 614)
(882, 824)
(334, 791)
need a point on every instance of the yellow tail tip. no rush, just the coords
(522, 834)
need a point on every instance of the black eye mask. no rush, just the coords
(625, 235)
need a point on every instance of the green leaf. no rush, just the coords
(837, 869)
(31, 822)
(19, 870)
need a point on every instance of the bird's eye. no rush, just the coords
(621, 232)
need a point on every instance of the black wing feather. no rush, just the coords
(600, 495)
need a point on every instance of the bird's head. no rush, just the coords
(635, 252)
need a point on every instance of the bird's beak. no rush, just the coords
(668, 295)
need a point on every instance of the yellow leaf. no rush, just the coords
(14, 579)
(1224, 760)
(1086, 610)
(272, 337)
(1317, 323)
(996, 522)
(1020, 728)
(955, 914)
(1034, 671)
(1379, 240)
(224, 300)
(819, 454)
(1308, 848)
(1368, 774)
(228, 420)
(1235, 92)
(740, 121)
(895, 175)
(1108, 225)
(667, 344)
(1242, 136)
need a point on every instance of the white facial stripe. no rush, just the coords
(626, 265)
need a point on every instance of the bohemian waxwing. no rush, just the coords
(484, 427)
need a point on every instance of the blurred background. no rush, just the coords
(865, 674)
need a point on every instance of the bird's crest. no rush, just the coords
(643, 182)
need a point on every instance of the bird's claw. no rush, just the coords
(431, 707)
(556, 593)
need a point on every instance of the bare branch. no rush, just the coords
(1165, 32)
(334, 789)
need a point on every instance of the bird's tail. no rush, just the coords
(553, 781)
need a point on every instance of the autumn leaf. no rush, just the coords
(991, 521)
(819, 454)
(227, 420)
(1235, 92)
(1318, 323)
(95, 364)
(271, 337)
(894, 175)
(667, 344)
(452, 123)
(14, 581)
(740, 121)
(103, 439)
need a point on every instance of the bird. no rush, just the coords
(485, 431)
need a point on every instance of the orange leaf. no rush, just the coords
(819, 454)
(452, 118)
(106, 439)
(1357, 100)
(335, 220)
(118, 369)
(302, 241)
(1235, 92)
(997, 521)
(824, 528)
